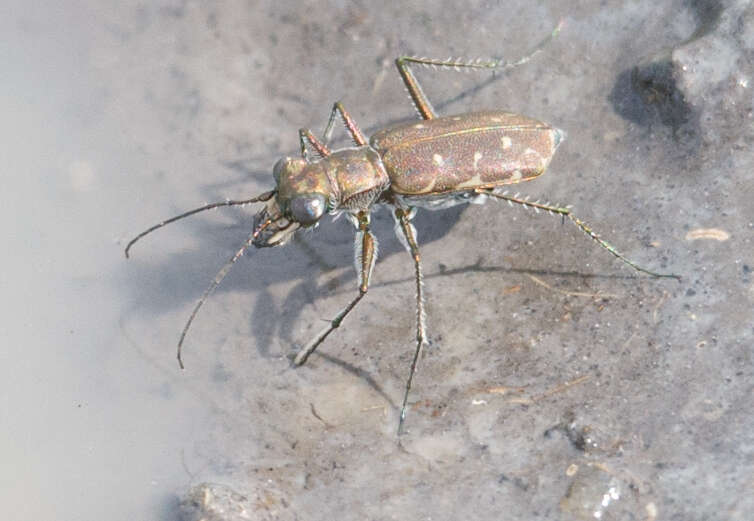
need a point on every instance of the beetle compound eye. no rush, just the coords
(307, 209)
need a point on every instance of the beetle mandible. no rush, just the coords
(434, 163)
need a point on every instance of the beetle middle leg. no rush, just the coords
(366, 255)
(566, 213)
(403, 221)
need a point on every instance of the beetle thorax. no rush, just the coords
(357, 177)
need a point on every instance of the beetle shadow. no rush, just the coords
(344, 286)
(361, 374)
(308, 285)
(161, 285)
(331, 248)
(480, 267)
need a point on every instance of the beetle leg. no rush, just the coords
(306, 137)
(366, 255)
(356, 134)
(419, 99)
(408, 238)
(566, 212)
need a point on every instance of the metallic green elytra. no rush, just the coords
(432, 163)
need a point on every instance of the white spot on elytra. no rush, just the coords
(474, 182)
(418, 125)
(437, 158)
(535, 158)
(516, 176)
(507, 143)
(430, 186)
(477, 157)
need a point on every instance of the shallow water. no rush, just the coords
(546, 355)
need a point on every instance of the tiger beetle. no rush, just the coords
(435, 163)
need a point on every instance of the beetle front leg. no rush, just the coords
(306, 137)
(365, 255)
(566, 212)
(308, 140)
(353, 129)
(403, 218)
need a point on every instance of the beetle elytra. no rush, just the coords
(431, 163)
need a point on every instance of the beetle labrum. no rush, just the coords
(434, 163)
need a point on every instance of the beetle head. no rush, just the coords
(302, 197)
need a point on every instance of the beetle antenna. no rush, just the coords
(216, 282)
(264, 197)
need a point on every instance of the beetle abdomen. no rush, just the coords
(456, 153)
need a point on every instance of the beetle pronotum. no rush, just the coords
(434, 163)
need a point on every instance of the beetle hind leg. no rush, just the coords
(565, 212)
